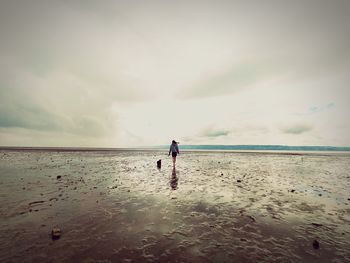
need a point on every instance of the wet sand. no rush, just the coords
(117, 206)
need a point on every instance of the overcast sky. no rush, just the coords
(137, 73)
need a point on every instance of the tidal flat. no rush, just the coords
(117, 206)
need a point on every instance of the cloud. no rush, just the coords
(239, 132)
(40, 119)
(214, 132)
(317, 109)
(330, 105)
(28, 118)
(231, 80)
(84, 70)
(40, 104)
(296, 129)
(210, 132)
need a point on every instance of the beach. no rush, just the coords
(116, 206)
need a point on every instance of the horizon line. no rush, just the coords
(192, 146)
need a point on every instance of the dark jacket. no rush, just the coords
(174, 148)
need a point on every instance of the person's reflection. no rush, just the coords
(174, 179)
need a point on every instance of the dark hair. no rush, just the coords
(173, 141)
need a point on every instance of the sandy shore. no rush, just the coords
(215, 207)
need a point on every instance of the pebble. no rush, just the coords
(56, 233)
(59, 176)
(252, 218)
(316, 244)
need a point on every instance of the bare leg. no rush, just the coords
(174, 161)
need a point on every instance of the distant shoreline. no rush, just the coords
(263, 147)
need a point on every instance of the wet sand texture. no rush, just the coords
(215, 207)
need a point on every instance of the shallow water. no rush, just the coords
(215, 207)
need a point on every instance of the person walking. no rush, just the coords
(174, 150)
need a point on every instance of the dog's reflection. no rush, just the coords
(174, 179)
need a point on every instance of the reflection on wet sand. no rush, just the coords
(174, 179)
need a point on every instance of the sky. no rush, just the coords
(141, 73)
